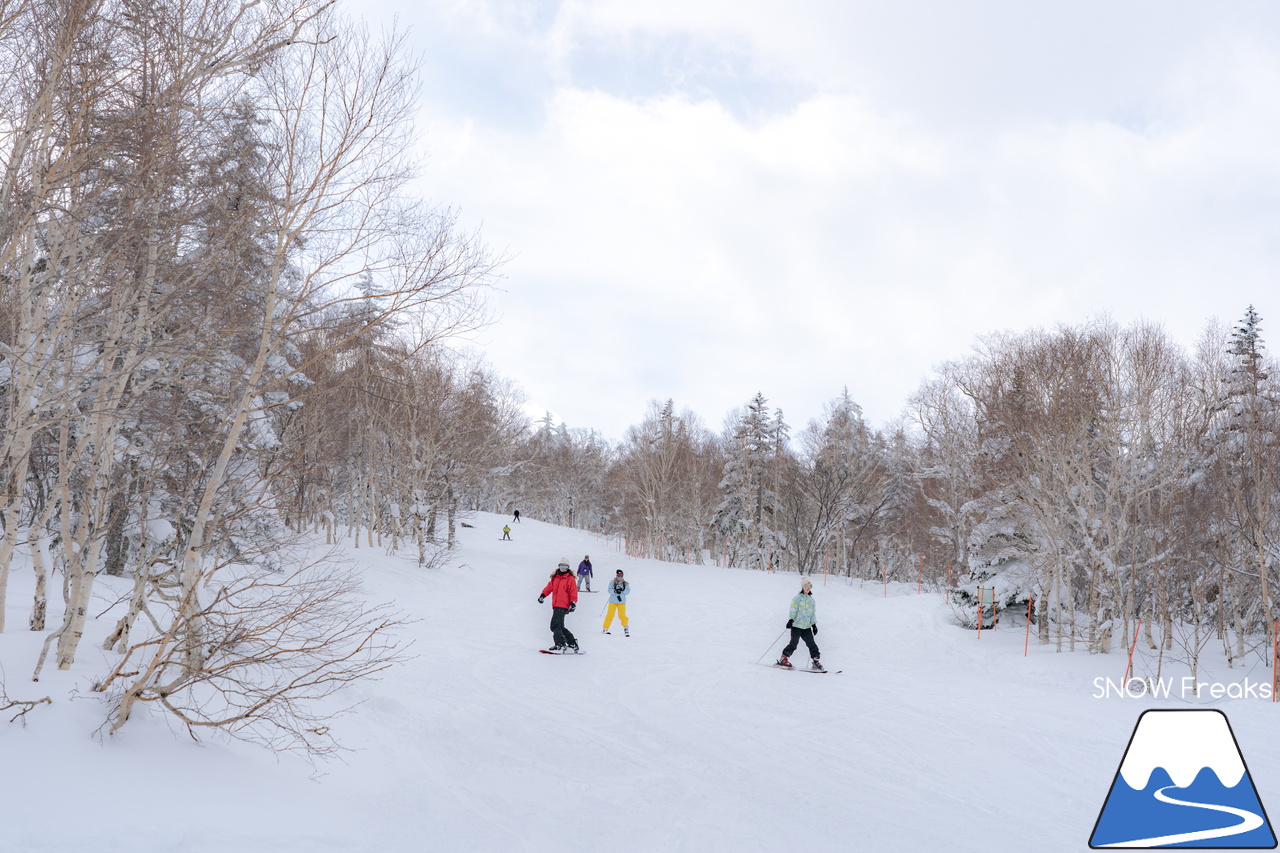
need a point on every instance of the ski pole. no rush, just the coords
(771, 645)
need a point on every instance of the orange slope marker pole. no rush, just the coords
(946, 598)
(1026, 644)
(920, 577)
(980, 597)
(1132, 646)
(1275, 656)
(885, 566)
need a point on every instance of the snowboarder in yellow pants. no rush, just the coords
(618, 589)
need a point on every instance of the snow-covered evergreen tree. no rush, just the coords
(745, 515)
(1244, 442)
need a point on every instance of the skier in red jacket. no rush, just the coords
(563, 590)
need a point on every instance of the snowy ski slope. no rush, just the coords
(671, 740)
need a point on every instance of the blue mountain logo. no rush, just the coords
(1183, 783)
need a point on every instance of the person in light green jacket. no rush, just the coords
(802, 619)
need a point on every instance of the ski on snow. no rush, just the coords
(814, 671)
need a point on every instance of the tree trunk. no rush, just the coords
(451, 512)
(40, 605)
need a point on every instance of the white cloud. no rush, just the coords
(936, 174)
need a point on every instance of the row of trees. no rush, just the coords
(1115, 478)
(832, 497)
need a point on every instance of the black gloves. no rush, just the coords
(541, 598)
(815, 630)
(573, 605)
(789, 621)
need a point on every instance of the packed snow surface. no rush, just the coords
(677, 738)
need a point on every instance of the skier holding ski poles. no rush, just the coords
(802, 619)
(618, 589)
(564, 600)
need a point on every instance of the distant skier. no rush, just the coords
(585, 572)
(802, 619)
(564, 599)
(506, 532)
(516, 516)
(618, 589)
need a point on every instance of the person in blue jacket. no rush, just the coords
(585, 572)
(618, 589)
(802, 619)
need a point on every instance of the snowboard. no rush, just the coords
(549, 652)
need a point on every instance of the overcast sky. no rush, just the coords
(705, 199)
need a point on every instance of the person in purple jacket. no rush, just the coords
(584, 573)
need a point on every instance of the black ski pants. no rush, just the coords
(798, 634)
(562, 635)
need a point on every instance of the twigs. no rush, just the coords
(271, 648)
(26, 705)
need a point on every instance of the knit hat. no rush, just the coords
(805, 582)
(564, 564)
